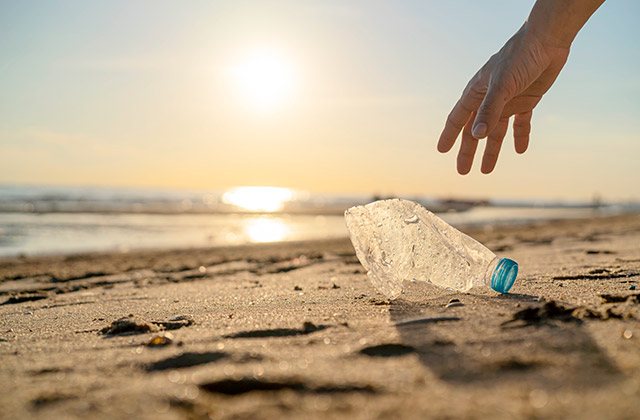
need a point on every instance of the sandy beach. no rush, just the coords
(295, 330)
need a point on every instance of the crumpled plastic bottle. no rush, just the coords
(397, 240)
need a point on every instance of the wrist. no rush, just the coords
(547, 36)
(557, 22)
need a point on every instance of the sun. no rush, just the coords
(258, 199)
(264, 80)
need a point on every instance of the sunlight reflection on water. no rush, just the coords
(266, 229)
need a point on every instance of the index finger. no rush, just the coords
(455, 122)
(459, 115)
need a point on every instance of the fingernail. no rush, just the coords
(479, 130)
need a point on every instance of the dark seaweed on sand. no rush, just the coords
(307, 328)
(554, 311)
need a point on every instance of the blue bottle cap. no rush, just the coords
(504, 275)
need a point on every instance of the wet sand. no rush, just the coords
(296, 331)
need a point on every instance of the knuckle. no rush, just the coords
(475, 91)
(453, 123)
(491, 109)
(495, 142)
(522, 124)
(485, 111)
(466, 107)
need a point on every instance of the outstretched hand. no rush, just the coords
(510, 84)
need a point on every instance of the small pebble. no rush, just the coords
(453, 303)
(297, 288)
(632, 287)
(627, 334)
(161, 340)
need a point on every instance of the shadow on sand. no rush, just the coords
(468, 346)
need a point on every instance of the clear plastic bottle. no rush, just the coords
(398, 240)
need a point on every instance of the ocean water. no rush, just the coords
(44, 220)
(55, 233)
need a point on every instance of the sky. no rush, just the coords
(351, 97)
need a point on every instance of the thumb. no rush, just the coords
(490, 110)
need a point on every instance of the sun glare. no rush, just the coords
(264, 80)
(266, 230)
(258, 199)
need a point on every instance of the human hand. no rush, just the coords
(510, 84)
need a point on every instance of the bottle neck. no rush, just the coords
(488, 273)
